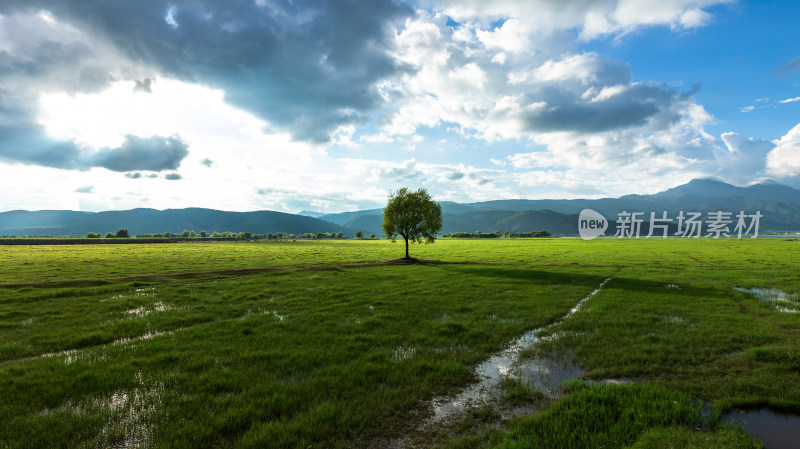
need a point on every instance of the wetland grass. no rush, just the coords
(300, 352)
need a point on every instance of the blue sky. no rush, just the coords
(736, 60)
(330, 105)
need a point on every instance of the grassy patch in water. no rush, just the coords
(604, 416)
(685, 438)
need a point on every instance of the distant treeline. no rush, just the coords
(248, 236)
(85, 241)
(496, 235)
(194, 235)
(307, 235)
(186, 235)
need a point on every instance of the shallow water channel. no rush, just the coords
(778, 299)
(773, 430)
(542, 374)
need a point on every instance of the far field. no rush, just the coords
(323, 344)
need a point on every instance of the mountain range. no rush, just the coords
(152, 221)
(779, 205)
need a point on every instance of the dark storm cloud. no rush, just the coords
(306, 66)
(22, 140)
(93, 78)
(29, 145)
(41, 57)
(44, 56)
(142, 153)
(143, 85)
(566, 110)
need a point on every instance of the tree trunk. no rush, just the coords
(406, 247)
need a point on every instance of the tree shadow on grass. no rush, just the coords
(544, 277)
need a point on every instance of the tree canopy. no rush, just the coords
(413, 216)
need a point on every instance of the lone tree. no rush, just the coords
(412, 215)
(359, 234)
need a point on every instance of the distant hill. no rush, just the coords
(150, 221)
(309, 213)
(709, 188)
(779, 204)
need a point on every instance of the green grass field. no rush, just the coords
(316, 344)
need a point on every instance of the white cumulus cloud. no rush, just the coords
(784, 159)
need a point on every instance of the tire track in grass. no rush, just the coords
(75, 354)
(545, 375)
(167, 277)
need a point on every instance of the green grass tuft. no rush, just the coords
(597, 416)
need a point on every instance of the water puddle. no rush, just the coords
(145, 336)
(547, 374)
(350, 321)
(71, 356)
(779, 300)
(773, 430)
(450, 349)
(146, 292)
(616, 381)
(274, 313)
(403, 353)
(543, 374)
(132, 415)
(96, 353)
(142, 311)
(129, 416)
